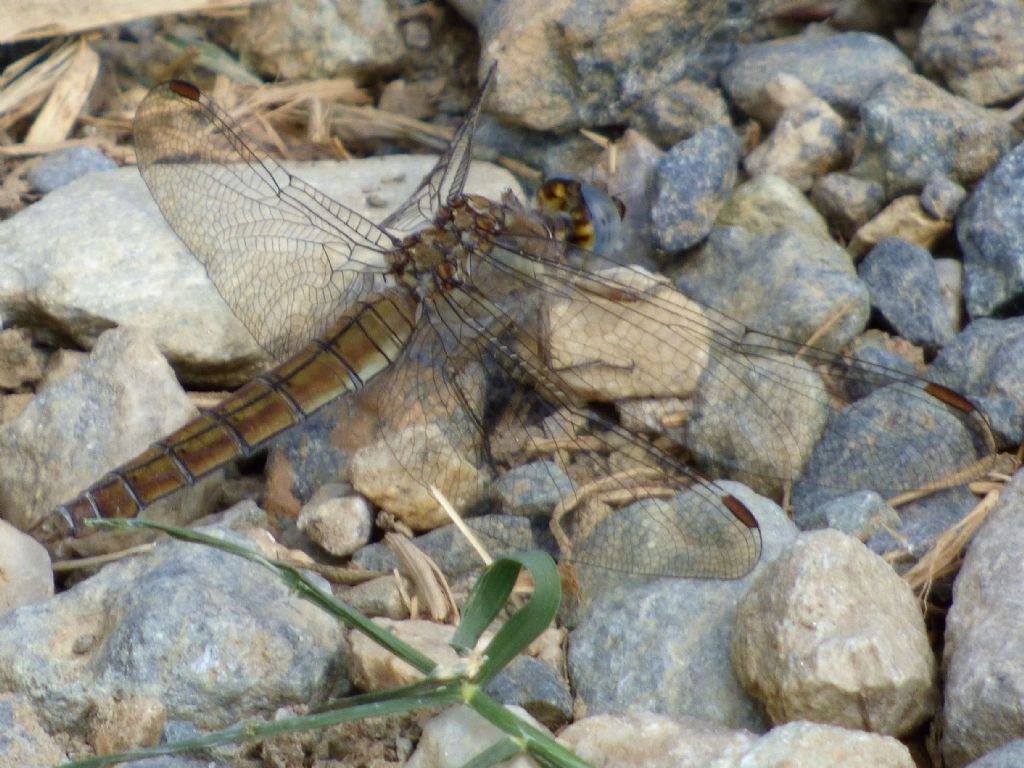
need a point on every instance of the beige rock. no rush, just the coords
(807, 142)
(904, 218)
(649, 740)
(391, 473)
(659, 349)
(812, 745)
(766, 204)
(336, 520)
(25, 574)
(20, 363)
(119, 725)
(828, 632)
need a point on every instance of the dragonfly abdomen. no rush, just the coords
(365, 340)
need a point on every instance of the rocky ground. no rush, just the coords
(848, 175)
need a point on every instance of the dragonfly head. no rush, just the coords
(594, 217)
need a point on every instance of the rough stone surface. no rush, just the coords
(20, 364)
(829, 633)
(813, 745)
(766, 204)
(24, 741)
(457, 735)
(976, 47)
(532, 489)
(986, 359)
(808, 140)
(904, 218)
(1009, 755)
(310, 39)
(566, 64)
(791, 284)
(647, 740)
(212, 637)
(25, 575)
(693, 180)
(382, 472)
(990, 228)
(904, 287)
(984, 638)
(841, 69)
(339, 523)
(846, 201)
(680, 628)
(64, 166)
(911, 130)
(896, 439)
(103, 414)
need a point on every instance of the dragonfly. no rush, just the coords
(505, 314)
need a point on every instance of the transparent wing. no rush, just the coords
(448, 177)
(285, 257)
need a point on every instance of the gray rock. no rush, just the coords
(904, 287)
(896, 439)
(532, 489)
(23, 740)
(841, 69)
(1010, 755)
(212, 637)
(663, 647)
(912, 130)
(975, 47)
(678, 111)
(533, 685)
(990, 228)
(847, 201)
(64, 166)
(789, 284)
(115, 405)
(829, 633)
(860, 514)
(986, 361)
(984, 639)
(677, 629)
(313, 39)
(377, 597)
(692, 182)
(920, 525)
(941, 197)
(748, 424)
(870, 352)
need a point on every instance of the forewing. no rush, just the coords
(285, 257)
(447, 179)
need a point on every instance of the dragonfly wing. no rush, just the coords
(447, 179)
(285, 257)
(741, 405)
